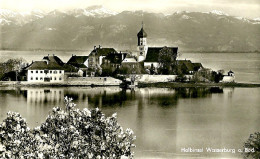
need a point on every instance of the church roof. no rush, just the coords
(153, 53)
(142, 33)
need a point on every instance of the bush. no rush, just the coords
(253, 144)
(70, 133)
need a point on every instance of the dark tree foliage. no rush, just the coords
(11, 65)
(166, 58)
(252, 146)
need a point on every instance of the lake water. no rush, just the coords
(164, 120)
(245, 65)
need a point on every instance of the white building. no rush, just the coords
(230, 77)
(48, 70)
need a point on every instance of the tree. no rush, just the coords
(166, 59)
(252, 146)
(69, 133)
(15, 64)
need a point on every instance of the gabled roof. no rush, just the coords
(78, 61)
(54, 58)
(42, 65)
(197, 66)
(103, 51)
(70, 68)
(189, 65)
(153, 53)
(142, 33)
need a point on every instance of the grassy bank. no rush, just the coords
(187, 85)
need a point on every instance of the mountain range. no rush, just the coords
(81, 29)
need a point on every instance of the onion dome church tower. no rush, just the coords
(142, 45)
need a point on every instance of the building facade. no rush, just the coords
(50, 69)
(96, 56)
(45, 75)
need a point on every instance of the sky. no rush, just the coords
(243, 8)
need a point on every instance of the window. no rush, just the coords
(55, 72)
(36, 78)
(105, 79)
(31, 71)
(31, 78)
(41, 72)
(50, 71)
(51, 78)
(55, 78)
(41, 78)
(60, 78)
(36, 71)
(60, 71)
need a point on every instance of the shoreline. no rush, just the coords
(140, 85)
(192, 85)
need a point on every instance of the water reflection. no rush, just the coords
(164, 120)
(109, 97)
(41, 96)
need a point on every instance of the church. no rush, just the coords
(150, 55)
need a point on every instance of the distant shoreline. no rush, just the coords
(129, 50)
(191, 85)
(140, 85)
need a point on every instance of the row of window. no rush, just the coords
(54, 72)
(41, 78)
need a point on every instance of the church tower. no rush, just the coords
(142, 44)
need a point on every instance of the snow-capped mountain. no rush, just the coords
(217, 12)
(9, 17)
(94, 11)
(84, 28)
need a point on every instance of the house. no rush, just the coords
(114, 59)
(96, 56)
(111, 63)
(152, 57)
(50, 69)
(130, 65)
(230, 77)
(80, 63)
(186, 67)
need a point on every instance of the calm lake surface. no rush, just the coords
(164, 120)
(245, 65)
